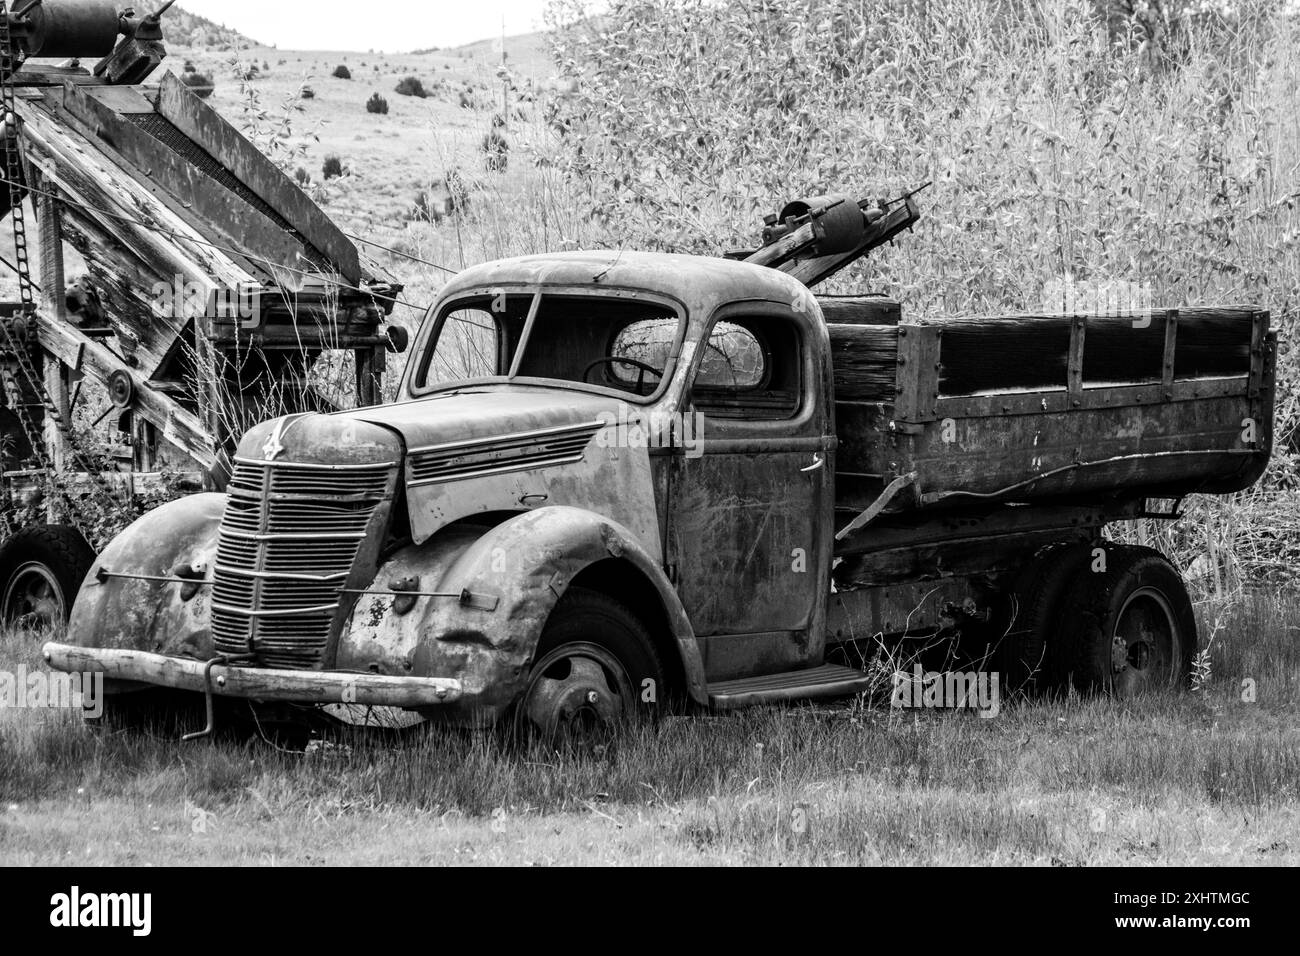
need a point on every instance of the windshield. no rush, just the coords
(601, 342)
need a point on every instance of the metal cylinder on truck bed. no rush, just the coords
(72, 28)
(839, 222)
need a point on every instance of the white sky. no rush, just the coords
(393, 26)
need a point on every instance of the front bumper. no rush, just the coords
(229, 680)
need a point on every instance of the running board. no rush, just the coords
(828, 680)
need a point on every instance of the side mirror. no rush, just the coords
(398, 338)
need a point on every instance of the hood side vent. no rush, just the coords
(491, 456)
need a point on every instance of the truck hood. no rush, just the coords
(486, 450)
(474, 414)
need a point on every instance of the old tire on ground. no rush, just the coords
(589, 672)
(1030, 655)
(41, 571)
(1130, 629)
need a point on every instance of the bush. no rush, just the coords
(423, 210)
(190, 67)
(200, 84)
(496, 151)
(341, 72)
(332, 168)
(303, 177)
(445, 197)
(377, 104)
(307, 93)
(411, 86)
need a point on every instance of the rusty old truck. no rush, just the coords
(615, 480)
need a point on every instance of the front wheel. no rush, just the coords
(596, 669)
(1130, 629)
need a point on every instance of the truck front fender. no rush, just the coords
(471, 603)
(122, 604)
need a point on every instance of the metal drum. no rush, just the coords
(73, 28)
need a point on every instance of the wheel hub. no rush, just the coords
(1145, 645)
(577, 693)
(33, 598)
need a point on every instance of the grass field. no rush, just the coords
(1201, 778)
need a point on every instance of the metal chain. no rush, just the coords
(10, 60)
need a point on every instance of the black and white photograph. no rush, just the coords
(648, 434)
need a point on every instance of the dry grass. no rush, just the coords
(1197, 778)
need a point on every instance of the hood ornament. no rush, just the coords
(274, 447)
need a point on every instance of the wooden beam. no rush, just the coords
(1169, 357)
(39, 76)
(129, 237)
(189, 192)
(315, 687)
(83, 354)
(201, 123)
(52, 285)
(1074, 363)
(370, 375)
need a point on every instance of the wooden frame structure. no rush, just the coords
(156, 192)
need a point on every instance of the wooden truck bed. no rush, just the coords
(963, 412)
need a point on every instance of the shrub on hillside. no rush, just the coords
(423, 209)
(341, 72)
(377, 104)
(411, 86)
(332, 168)
(200, 84)
(496, 151)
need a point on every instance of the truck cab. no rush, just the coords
(709, 380)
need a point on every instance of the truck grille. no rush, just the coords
(288, 542)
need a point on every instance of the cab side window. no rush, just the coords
(750, 370)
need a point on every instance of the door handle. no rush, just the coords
(818, 461)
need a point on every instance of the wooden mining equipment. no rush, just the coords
(174, 269)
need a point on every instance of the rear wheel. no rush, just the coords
(1130, 630)
(41, 571)
(596, 669)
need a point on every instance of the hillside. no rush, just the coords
(184, 29)
(526, 54)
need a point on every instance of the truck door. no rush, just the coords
(750, 499)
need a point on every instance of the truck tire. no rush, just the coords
(41, 571)
(1130, 629)
(590, 672)
(1030, 654)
